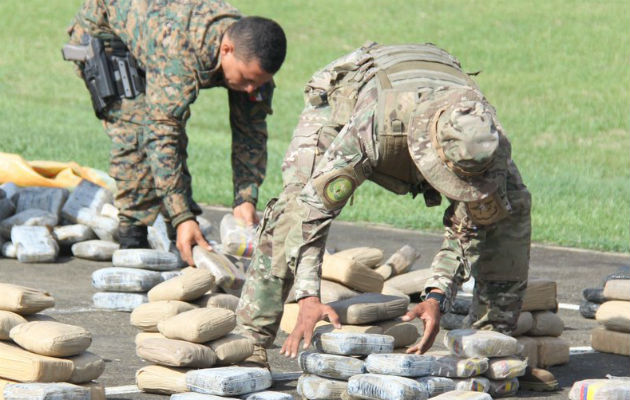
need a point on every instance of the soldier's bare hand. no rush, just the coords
(247, 212)
(189, 235)
(429, 312)
(311, 311)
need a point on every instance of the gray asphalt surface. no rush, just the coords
(69, 280)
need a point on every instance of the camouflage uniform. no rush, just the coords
(177, 44)
(379, 114)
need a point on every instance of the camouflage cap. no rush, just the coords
(456, 146)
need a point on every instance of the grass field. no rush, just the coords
(557, 71)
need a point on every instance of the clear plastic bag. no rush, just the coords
(414, 365)
(330, 366)
(386, 387)
(236, 237)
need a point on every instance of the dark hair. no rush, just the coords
(260, 38)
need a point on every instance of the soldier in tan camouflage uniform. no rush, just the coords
(407, 118)
(182, 47)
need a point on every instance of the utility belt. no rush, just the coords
(109, 70)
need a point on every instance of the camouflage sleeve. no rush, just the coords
(249, 141)
(459, 251)
(342, 168)
(170, 89)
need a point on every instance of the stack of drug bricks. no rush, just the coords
(188, 334)
(481, 364)
(613, 315)
(615, 388)
(41, 358)
(594, 297)
(539, 327)
(353, 283)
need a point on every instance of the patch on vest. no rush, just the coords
(487, 211)
(338, 189)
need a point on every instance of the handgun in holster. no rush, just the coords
(109, 70)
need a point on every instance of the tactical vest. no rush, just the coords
(405, 76)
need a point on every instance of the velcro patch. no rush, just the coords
(339, 189)
(487, 211)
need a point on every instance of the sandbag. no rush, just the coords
(104, 227)
(369, 307)
(399, 364)
(116, 279)
(392, 291)
(329, 292)
(231, 348)
(51, 338)
(236, 237)
(23, 366)
(163, 380)
(23, 300)
(503, 388)
(547, 323)
(610, 341)
(8, 320)
(410, 282)
(589, 309)
(109, 211)
(386, 271)
(186, 287)
(9, 250)
(349, 329)
(32, 217)
(268, 395)
(594, 295)
(451, 366)
(34, 244)
(552, 351)
(506, 368)
(87, 367)
(540, 295)
(529, 350)
(85, 195)
(614, 314)
(436, 384)
(450, 321)
(154, 260)
(224, 381)
(351, 274)
(369, 257)
(357, 344)
(474, 384)
(463, 395)
(118, 301)
(199, 325)
(176, 353)
(220, 300)
(404, 333)
(68, 235)
(98, 250)
(142, 336)
(386, 387)
(147, 316)
(617, 289)
(225, 273)
(473, 343)
(290, 315)
(600, 389)
(46, 391)
(402, 259)
(313, 387)
(330, 365)
(42, 198)
(524, 324)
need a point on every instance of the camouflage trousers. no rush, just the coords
(271, 274)
(124, 122)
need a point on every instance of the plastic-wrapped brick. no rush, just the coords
(480, 343)
(228, 381)
(399, 364)
(330, 365)
(354, 343)
(386, 387)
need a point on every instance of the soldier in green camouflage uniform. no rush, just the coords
(407, 118)
(183, 46)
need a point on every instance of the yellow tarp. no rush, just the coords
(14, 168)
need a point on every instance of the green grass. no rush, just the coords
(557, 72)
